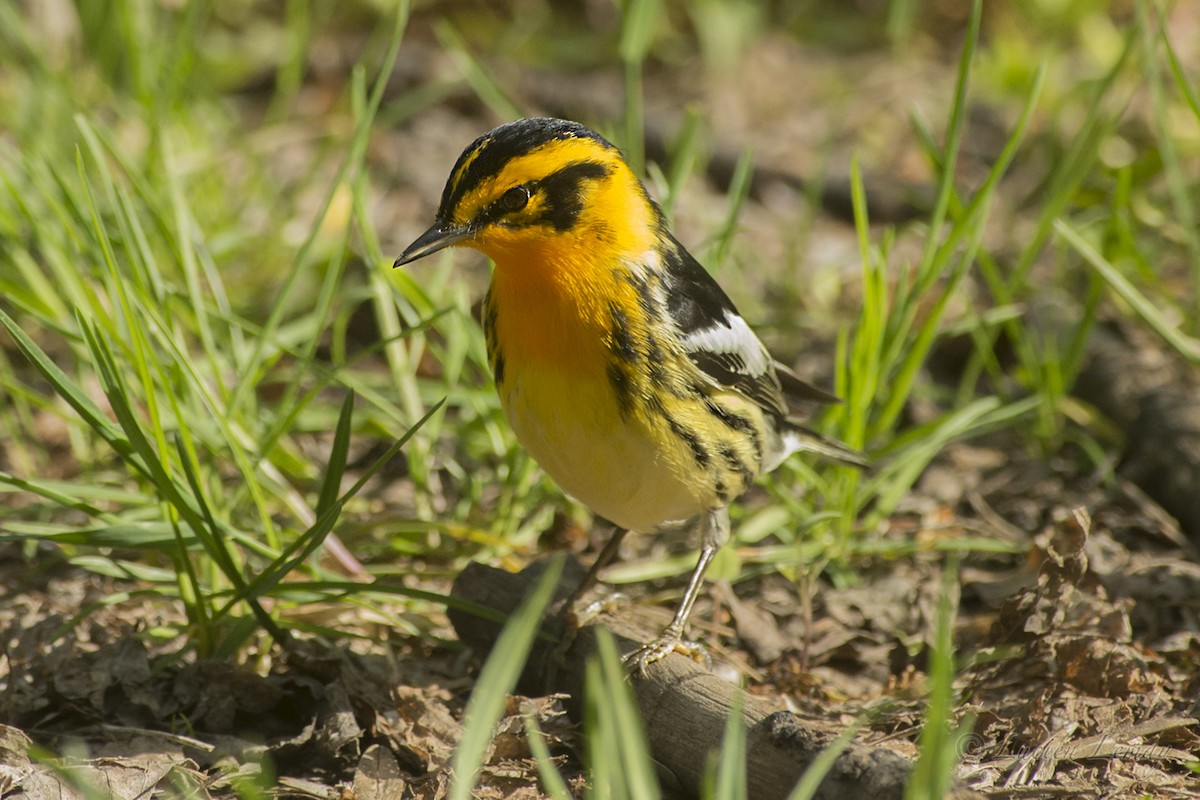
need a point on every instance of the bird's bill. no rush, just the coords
(440, 236)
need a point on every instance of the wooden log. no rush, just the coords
(684, 706)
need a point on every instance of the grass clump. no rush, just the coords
(114, 292)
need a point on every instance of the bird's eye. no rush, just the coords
(515, 199)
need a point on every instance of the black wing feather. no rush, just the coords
(721, 344)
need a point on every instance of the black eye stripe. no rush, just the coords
(561, 199)
(564, 192)
(488, 155)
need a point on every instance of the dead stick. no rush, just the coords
(683, 705)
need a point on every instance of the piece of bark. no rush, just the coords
(683, 705)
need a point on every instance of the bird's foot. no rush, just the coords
(669, 641)
(578, 617)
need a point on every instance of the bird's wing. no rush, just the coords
(720, 343)
(714, 335)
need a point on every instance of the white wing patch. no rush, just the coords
(732, 344)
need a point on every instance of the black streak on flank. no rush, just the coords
(623, 344)
(495, 356)
(732, 420)
(498, 367)
(699, 451)
(563, 196)
(656, 361)
(736, 464)
(618, 378)
(736, 422)
(497, 147)
(489, 321)
(644, 297)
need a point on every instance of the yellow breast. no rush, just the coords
(637, 453)
(551, 348)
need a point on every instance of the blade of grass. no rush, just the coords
(739, 190)
(476, 76)
(305, 544)
(729, 779)
(303, 261)
(336, 466)
(1179, 186)
(810, 782)
(618, 754)
(496, 680)
(66, 388)
(683, 158)
(638, 20)
(933, 773)
(551, 779)
(1185, 345)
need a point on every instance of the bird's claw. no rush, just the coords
(669, 641)
(604, 605)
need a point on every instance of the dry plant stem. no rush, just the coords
(683, 705)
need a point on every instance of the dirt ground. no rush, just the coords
(1078, 654)
(1080, 665)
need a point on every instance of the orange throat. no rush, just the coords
(560, 295)
(551, 307)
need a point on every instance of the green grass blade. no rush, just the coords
(739, 190)
(551, 779)
(336, 466)
(729, 782)
(933, 773)
(1179, 185)
(303, 261)
(64, 386)
(810, 782)
(307, 543)
(638, 21)
(496, 680)
(1185, 345)
(475, 75)
(618, 753)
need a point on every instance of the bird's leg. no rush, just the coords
(714, 532)
(607, 554)
(573, 619)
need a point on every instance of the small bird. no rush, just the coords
(622, 366)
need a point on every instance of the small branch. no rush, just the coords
(683, 705)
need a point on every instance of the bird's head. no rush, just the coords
(541, 191)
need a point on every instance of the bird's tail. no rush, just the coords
(799, 439)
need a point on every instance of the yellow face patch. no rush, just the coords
(528, 169)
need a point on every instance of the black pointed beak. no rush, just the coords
(441, 235)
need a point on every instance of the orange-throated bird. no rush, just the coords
(621, 365)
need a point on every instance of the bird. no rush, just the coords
(621, 365)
